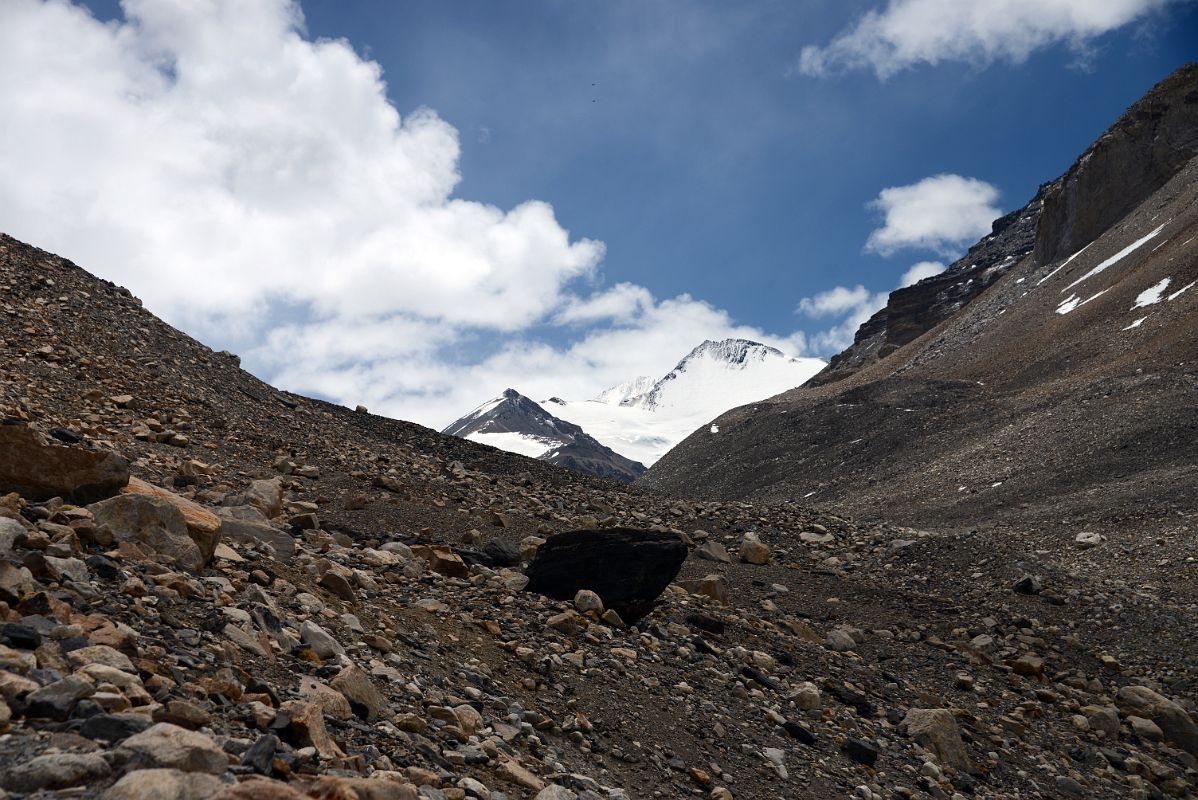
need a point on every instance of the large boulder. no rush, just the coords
(936, 730)
(1171, 718)
(627, 568)
(38, 472)
(151, 522)
(167, 746)
(202, 525)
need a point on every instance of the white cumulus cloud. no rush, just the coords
(939, 213)
(852, 305)
(907, 33)
(917, 272)
(259, 189)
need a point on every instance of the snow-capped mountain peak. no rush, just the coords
(726, 374)
(626, 392)
(641, 419)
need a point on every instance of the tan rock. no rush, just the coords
(442, 560)
(202, 525)
(164, 784)
(364, 698)
(102, 655)
(152, 523)
(753, 550)
(171, 747)
(936, 730)
(331, 701)
(514, 772)
(306, 728)
(39, 472)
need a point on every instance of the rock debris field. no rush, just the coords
(211, 588)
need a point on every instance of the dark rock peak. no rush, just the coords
(567, 445)
(1137, 155)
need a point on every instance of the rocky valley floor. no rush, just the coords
(292, 599)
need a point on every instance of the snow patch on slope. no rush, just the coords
(1152, 295)
(1110, 262)
(520, 443)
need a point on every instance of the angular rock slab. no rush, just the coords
(38, 472)
(150, 521)
(202, 525)
(627, 568)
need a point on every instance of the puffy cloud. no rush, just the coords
(910, 32)
(620, 303)
(434, 387)
(924, 269)
(259, 190)
(209, 156)
(852, 305)
(939, 213)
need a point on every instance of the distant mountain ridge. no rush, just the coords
(515, 423)
(640, 419)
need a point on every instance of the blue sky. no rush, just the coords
(240, 165)
(701, 164)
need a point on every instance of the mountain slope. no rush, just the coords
(1038, 392)
(514, 423)
(376, 650)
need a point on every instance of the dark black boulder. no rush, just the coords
(627, 568)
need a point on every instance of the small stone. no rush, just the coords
(1088, 539)
(113, 728)
(753, 550)
(103, 655)
(556, 792)
(806, 696)
(1146, 729)
(861, 751)
(305, 728)
(936, 730)
(320, 640)
(56, 700)
(338, 585)
(261, 754)
(364, 698)
(713, 551)
(840, 641)
(586, 601)
(1028, 584)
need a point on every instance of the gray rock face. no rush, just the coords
(247, 525)
(169, 746)
(151, 522)
(38, 472)
(55, 771)
(1135, 157)
(935, 729)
